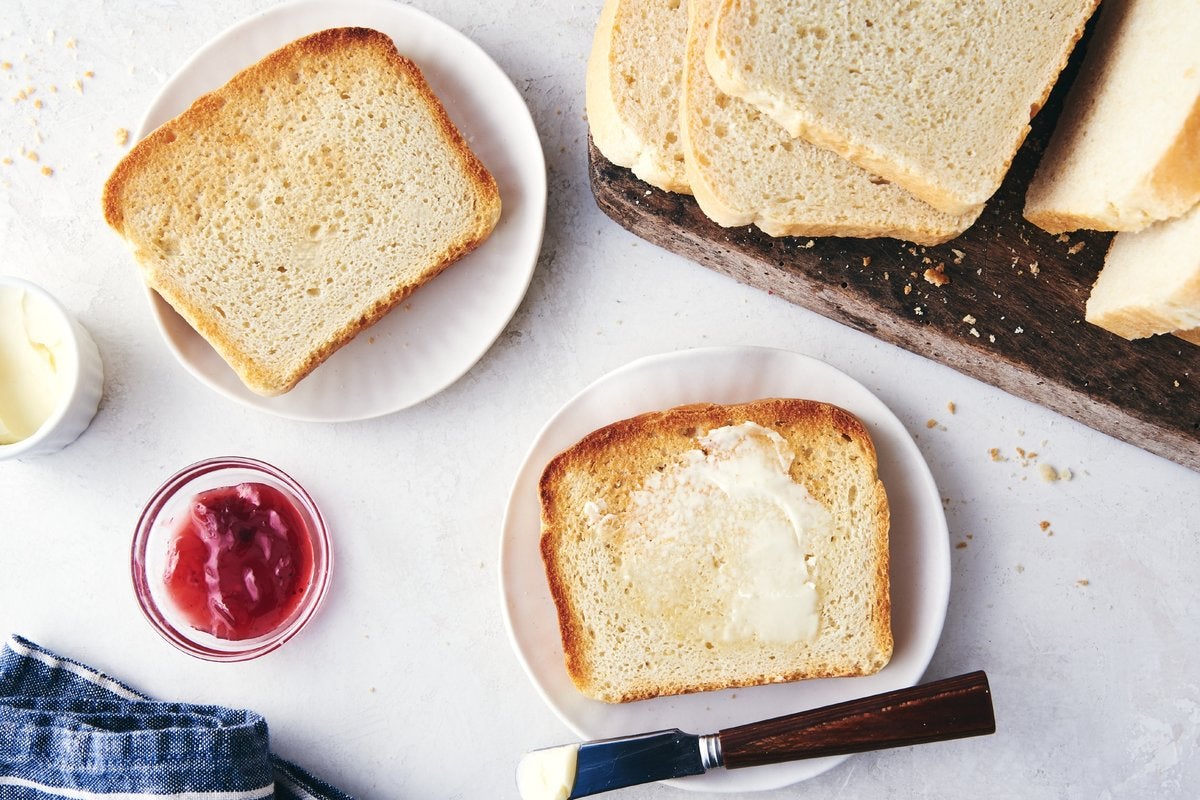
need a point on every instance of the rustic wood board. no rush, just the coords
(1024, 288)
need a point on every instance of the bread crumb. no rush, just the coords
(992, 338)
(32, 156)
(995, 454)
(959, 255)
(951, 407)
(52, 88)
(6, 161)
(71, 43)
(866, 261)
(931, 423)
(918, 310)
(809, 244)
(89, 74)
(37, 103)
(1034, 269)
(969, 319)
(937, 275)
(6, 65)
(1062, 237)
(1019, 329)
(926, 260)
(1083, 582)
(47, 171)
(1049, 473)
(122, 137)
(78, 84)
(960, 546)
(908, 288)
(1044, 524)
(1020, 568)
(1075, 248)
(1065, 474)
(974, 333)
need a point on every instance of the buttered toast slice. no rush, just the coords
(708, 546)
(288, 210)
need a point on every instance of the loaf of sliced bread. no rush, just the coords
(288, 210)
(935, 97)
(1126, 151)
(711, 546)
(1150, 282)
(631, 92)
(744, 168)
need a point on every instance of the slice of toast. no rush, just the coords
(744, 168)
(1126, 150)
(708, 546)
(631, 92)
(935, 97)
(290, 209)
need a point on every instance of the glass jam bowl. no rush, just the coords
(231, 558)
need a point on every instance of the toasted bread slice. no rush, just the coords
(708, 546)
(290, 209)
(744, 168)
(935, 97)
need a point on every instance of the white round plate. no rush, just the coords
(920, 553)
(432, 338)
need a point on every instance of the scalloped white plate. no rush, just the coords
(920, 552)
(432, 338)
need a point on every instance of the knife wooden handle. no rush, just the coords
(951, 708)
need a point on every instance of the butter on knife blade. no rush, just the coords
(951, 708)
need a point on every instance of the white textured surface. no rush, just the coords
(404, 685)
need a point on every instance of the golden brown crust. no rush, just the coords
(1177, 178)
(209, 112)
(1192, 336)
(635, 446)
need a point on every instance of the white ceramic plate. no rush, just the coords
(435, 336)
(920, 552)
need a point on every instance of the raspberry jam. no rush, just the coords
(239, 562)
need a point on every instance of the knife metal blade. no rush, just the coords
(951, 708)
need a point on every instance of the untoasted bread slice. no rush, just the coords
(935, 97)
(285, 212)
(1126, 150)
(1150, 282)
(631, 93)
(744, 168)
(709, 546)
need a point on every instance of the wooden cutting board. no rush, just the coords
(1011, 314)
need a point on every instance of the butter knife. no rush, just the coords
(952, 708)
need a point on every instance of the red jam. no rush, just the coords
(239, 564)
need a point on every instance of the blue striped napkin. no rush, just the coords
(68, 731)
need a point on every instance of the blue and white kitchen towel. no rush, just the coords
(68, 731)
